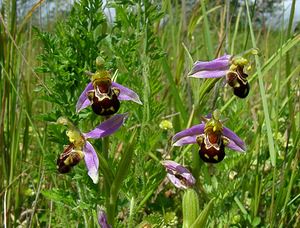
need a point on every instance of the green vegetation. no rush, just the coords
(150, 48)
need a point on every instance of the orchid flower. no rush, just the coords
(102, 219)
(212, 137)
(103, 94)
(227, 65)
(180, 176)
(80, 148)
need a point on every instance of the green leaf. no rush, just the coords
(59, 196)
(123, 168)
(202, 218)
(256, 221)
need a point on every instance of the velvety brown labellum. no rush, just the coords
(212, 148)
(104, 97)
(106, 106)
(237, 80)
(182, 179)
(242, 91)
(68, 159)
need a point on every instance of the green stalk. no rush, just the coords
(121, 174)
(288, 195)
(81, 197)
(105, 147)
(131, 212)
(267, 118)
(207, 37)
(174, 90)
(263, 95)
(288, 61)
(236, 28)
(107, 183)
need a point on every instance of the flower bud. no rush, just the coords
(190, 207)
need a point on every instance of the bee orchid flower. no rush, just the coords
(102, 219)
(232, 67)
(212, 138)
(104, 95)
(79, 148)
(180, 176)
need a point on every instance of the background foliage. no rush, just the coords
(151, 45)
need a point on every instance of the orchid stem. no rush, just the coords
(105, 146)
(110, 208)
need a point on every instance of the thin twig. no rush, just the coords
(4, 208)
(10, 184)
(36, 199)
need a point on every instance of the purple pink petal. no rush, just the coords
(127, 94)
(186, 140)
(211, 69)
(235, 142)
(102, 219)
(83, 100)
(190, 132)
(108, 127)
(175, 168)
(216, 64)
(209, 74)
(91, 161)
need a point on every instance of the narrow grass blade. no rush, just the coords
(263, 94)
(207, 36)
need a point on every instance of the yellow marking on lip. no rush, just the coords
(205, 155)
(68, 161)
(216, 157)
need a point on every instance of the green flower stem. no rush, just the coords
(121, 174)
(105, 169)
(196, 164)
(205, 88)
(81, 196)
(206, 30)
(105, 146)
(107, 182)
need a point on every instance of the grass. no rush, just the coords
(153, 47)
